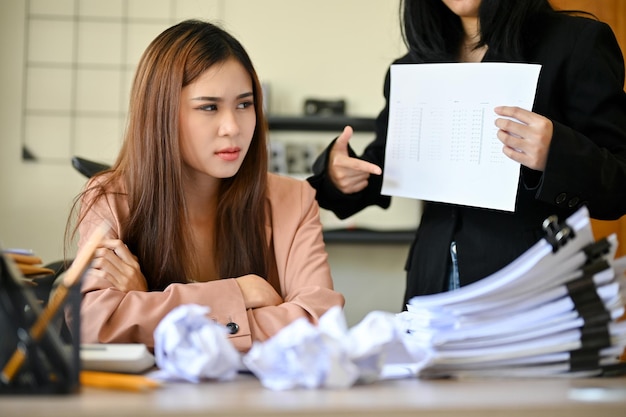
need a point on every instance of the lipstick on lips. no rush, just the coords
(229, 154)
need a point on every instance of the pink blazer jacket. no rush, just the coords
(109, 315)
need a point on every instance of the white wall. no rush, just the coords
(301, 48)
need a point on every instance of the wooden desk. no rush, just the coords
(409, 397)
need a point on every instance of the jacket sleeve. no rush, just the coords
(587, 157)
(109, 315)
(302, 263)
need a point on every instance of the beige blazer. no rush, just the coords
(109, 315)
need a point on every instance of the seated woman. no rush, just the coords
(195, 216)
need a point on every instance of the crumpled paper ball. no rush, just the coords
(301, 355)
(328, 355)
(188, 345)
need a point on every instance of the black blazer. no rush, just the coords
(580, 89)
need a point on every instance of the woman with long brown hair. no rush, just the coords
(195, 216)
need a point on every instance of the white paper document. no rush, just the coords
(550, 312)
(441, 142)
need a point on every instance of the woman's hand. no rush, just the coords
(527, 138)
(257, 292)
(349, 175)
(115, 263)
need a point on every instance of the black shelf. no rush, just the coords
(321, 123)
(369, 236)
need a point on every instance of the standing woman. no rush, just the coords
(571, 146)
(195, 216)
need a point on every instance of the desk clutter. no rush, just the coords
(555, 312)
(33, 357)
(558, 310)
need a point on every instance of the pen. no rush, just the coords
(72, 275)
(112, 380)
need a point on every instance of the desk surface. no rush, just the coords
(246, 397)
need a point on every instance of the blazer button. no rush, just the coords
(233, 328)
(561, 198)
(573, 202)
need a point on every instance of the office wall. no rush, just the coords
(301, 48)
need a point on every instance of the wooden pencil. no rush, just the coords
(118, 381)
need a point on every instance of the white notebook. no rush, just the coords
(116, 357)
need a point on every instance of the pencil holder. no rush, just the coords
(47, 365)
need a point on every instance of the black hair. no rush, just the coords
(433, 33)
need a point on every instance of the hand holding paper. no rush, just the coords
(526, 138)
(442, 142)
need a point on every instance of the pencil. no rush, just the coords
(72, 276)
(118, 381)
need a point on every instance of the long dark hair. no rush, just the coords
(149, 165)
(432, 33)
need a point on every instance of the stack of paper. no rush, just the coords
(553, 311)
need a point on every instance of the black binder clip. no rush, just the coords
(557, 234)
(597, 250)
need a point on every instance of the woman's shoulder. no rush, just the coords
(105, 180)
(282, 183)
(105, 186)
(282, 188)
(104, 197)
(557, 36)
(568, 24)
(405, 59)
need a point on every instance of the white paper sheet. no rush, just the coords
(441, 142)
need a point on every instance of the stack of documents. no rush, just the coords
(555, 311)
